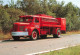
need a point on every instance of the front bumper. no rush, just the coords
(19, 33)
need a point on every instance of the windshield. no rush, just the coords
(26, 19)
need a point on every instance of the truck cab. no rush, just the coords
(25, 26)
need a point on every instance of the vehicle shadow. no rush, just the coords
(26, 39)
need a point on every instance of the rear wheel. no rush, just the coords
(35, 35)
(58, 35)
(16, 38)
(43, 36)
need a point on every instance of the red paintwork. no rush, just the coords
(46, 25)
(62, 22)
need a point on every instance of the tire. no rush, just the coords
(58, 35)
(16, 38)
(43, 36)
(34, 35)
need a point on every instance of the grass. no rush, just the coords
(71, 32)
(4, 36)
(68, 51)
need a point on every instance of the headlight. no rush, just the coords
(26, 29)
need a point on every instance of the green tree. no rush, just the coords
(14, 14)
(7, 17)
(31, 6)
(4, 20)
(72, 18)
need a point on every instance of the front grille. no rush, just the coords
(18, 27)
(15, 27)
(22, 28)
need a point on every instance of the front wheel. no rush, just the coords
(58, 35)
(16, 38)
(35, 35)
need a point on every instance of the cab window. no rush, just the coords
(26, 19)
(37, 20)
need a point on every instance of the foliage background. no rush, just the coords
(9, 13)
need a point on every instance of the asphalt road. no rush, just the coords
(25, 46)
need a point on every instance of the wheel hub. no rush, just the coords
(34, 34)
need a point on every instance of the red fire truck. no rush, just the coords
(35, 26)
